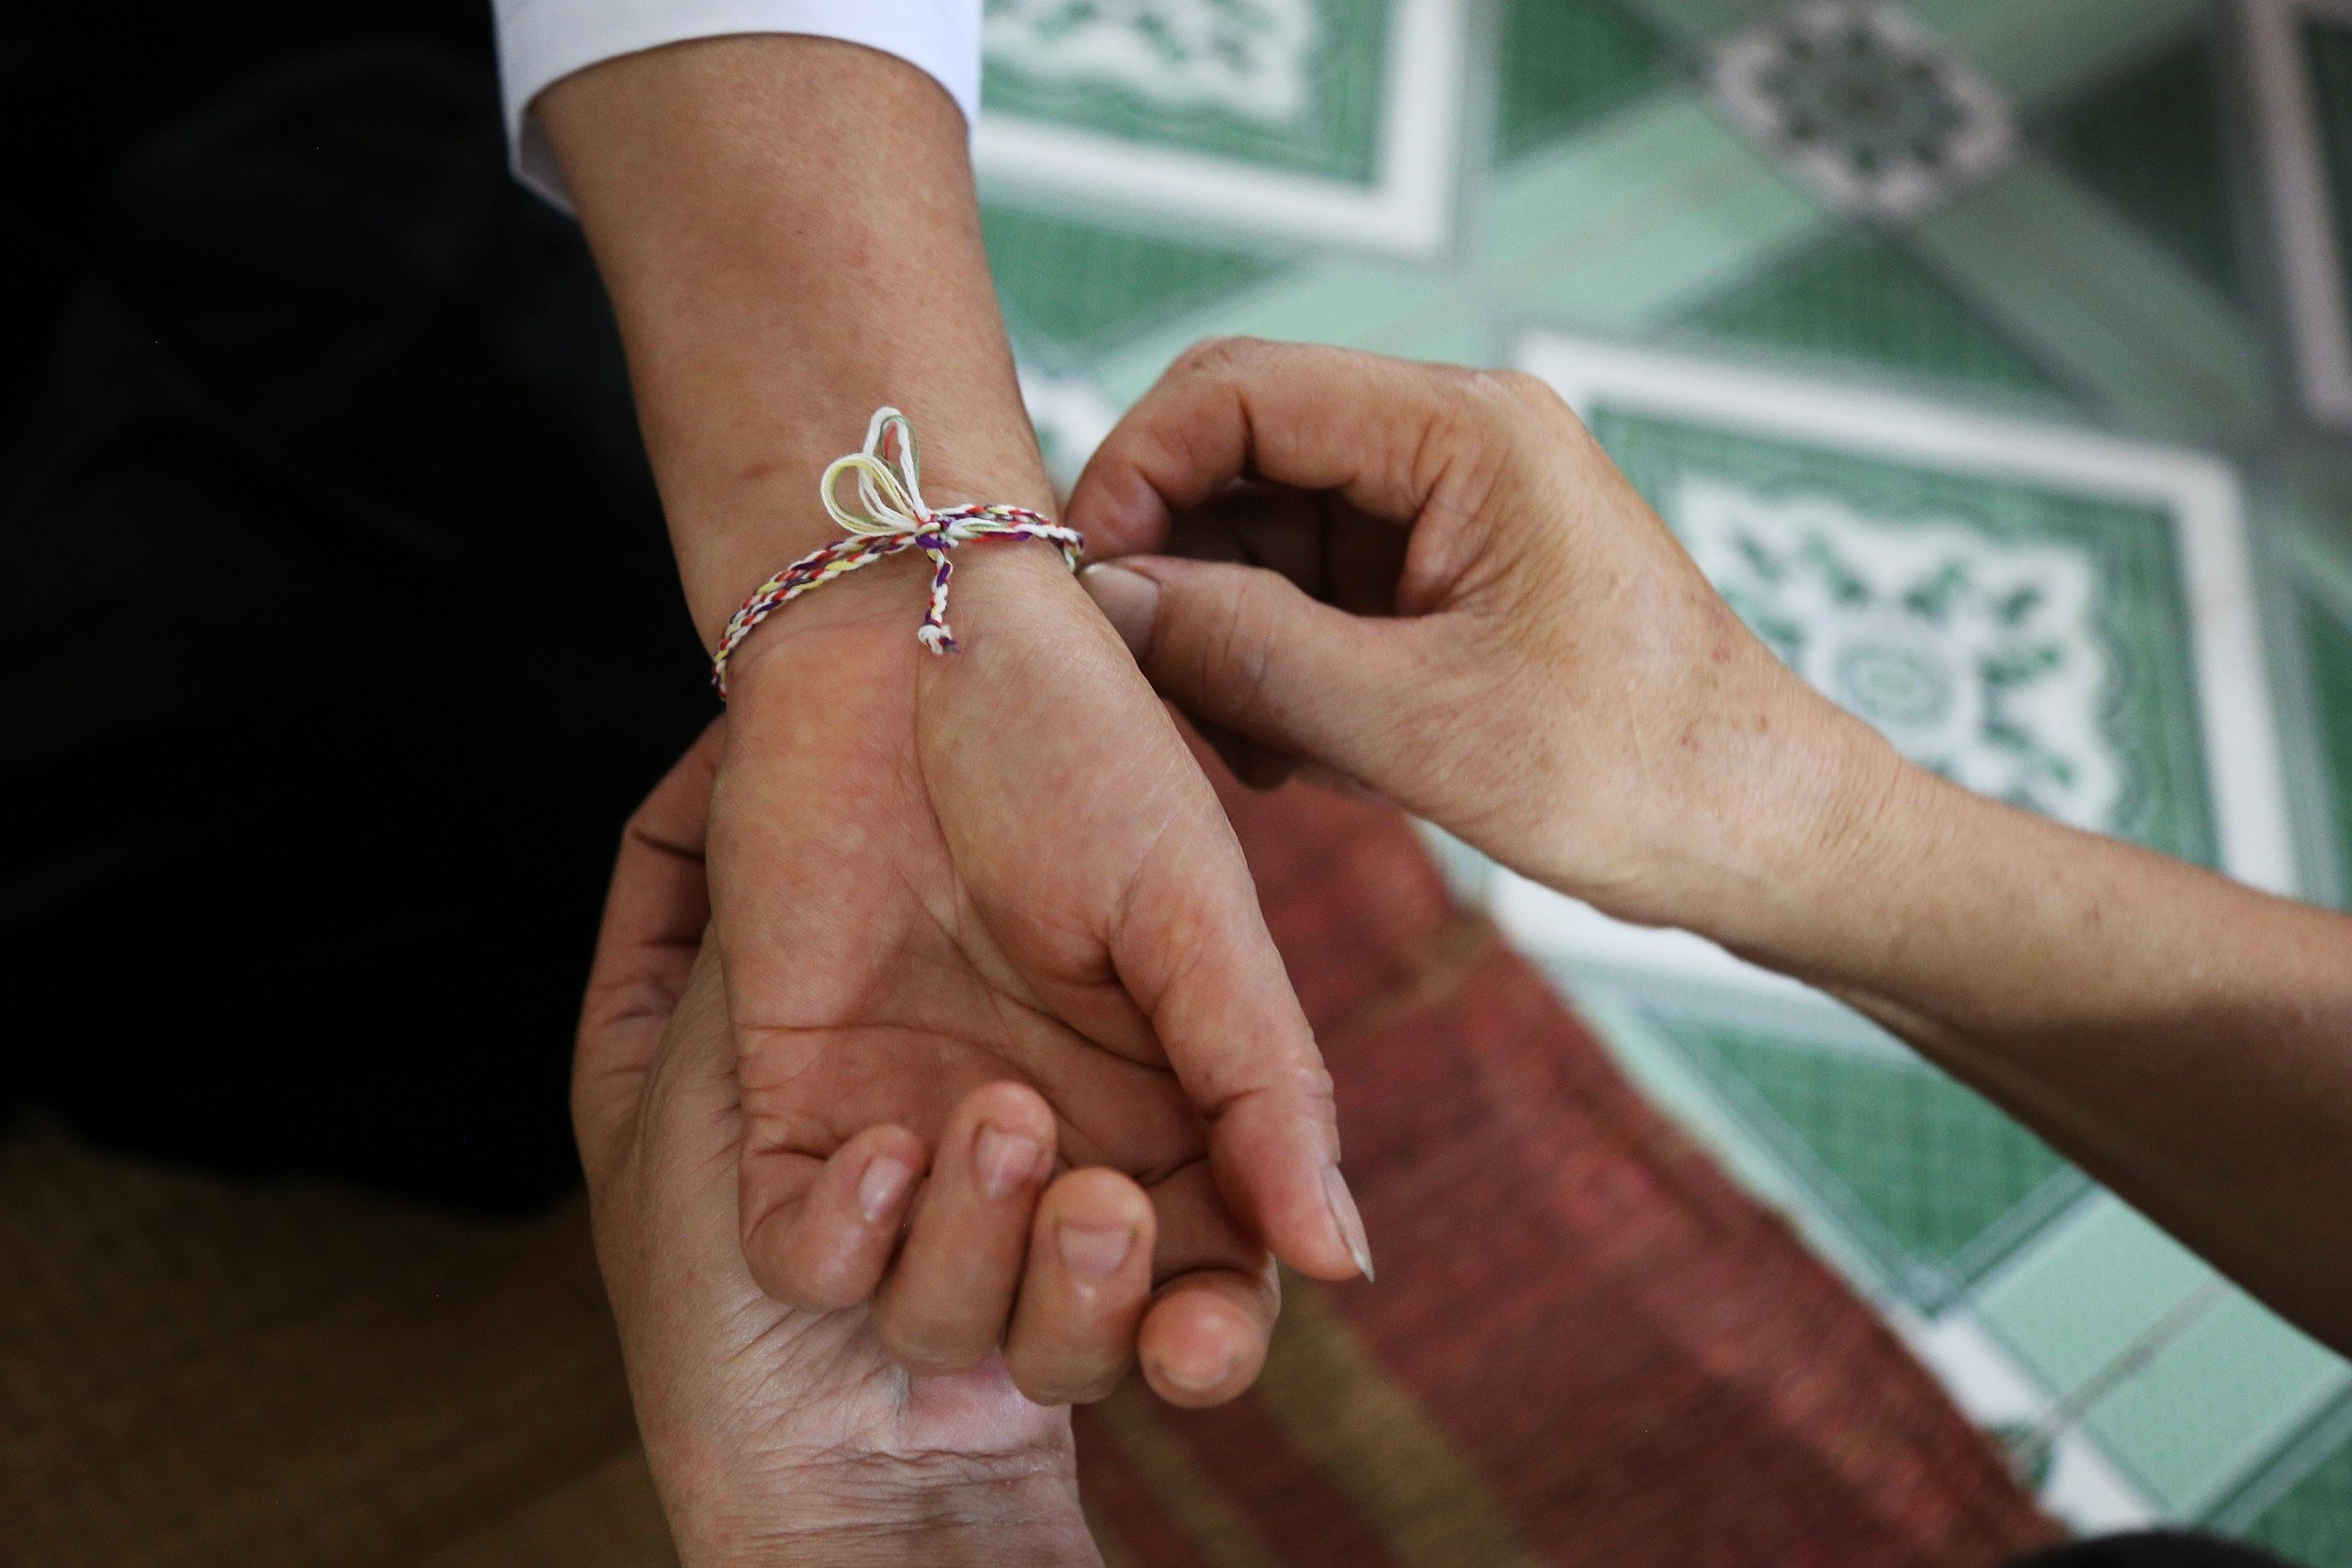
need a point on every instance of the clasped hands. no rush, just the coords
(974, 1076)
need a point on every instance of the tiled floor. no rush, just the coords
(1996, 359)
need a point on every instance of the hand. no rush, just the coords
(1465, 607)
(929, 875)
(1536, 664)
(932, 874)
(776, 1434)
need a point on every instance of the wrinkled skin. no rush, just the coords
(930, 874)
(775, 1433)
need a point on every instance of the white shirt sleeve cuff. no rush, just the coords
(542, 41)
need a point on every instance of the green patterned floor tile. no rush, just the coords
(2096, 265)
(1945, 1182)
(1564, 64)
(2213, 1406)
(2328, 649)
(1638, 1022)
(1084, 288)
(2300, 60)
(1380, 307)
(2088, 293)
(1690, 23)
(2150, 142)
(2327, 45)
(2093, 1284)
(2310, 1522)
(1858, 299)
(1641, 216)
(1294, 86)
(2031, 643)
(2039, 56)
(1931, 1161)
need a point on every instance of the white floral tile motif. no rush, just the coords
(1867, 106)
(1336, 122)
(1249, 58)
(1977, 658)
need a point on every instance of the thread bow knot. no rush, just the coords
(891, 516)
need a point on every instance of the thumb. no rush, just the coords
(1243, 648)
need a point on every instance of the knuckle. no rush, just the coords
(1062, 1387)
(784, 1269)
(1245, 655)
(931, 1350)
(1065, 1373)
(1215, 354)
(1519, 391)
(827, 1285)
(1305, 1076)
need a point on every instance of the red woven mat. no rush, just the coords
(1586, 1346)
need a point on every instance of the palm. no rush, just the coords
(854, 1403)
(929, 880)
(737, 1393)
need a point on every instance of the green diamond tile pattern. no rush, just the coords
(2105, 304)
(1086, 290)
(2328, 646)
(2150, 143)
(1332, 54)
(1936, 1170)
(1649, 212)
(2041, 57)
(2251, 1381)
(2300, 65)
(1379, 306)
(2106, 1282)
(1563, 65)
(2310, 1522)
(2328, 49)
(2119, 265)
(1858, 299)
(2147, 718)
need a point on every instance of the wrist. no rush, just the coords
(732, 535)
(1828, 899)
(1006, 594)
(888, 1511)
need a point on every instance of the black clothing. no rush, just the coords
(338, 632)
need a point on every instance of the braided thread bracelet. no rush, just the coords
(891, 517)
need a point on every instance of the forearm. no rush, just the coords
(2186, 1040)
(787, 228)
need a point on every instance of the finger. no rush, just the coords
(1329, 548)
(652, 928)
(1084, 1291)
(1204, 1341)
(1243, 649)
(1192, 948)
(827, 1249)
(944, 1305)
(1386, 434)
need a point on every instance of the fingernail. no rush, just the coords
(1344, 1216)
(884, 1183)
(1004, 1161)
(1095, 1249)
(1194, 1379)
(1128, 600)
